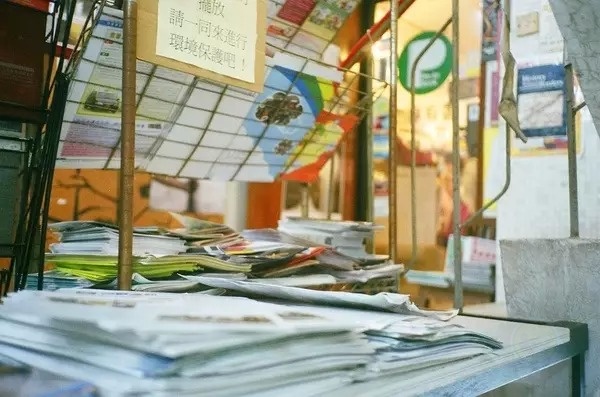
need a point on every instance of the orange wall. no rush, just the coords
(93, 195)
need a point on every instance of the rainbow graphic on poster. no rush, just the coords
(292, 126)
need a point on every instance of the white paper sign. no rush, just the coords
(216, 35)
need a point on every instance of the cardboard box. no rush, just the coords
(40, 5)
(23, 51)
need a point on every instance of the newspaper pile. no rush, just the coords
(153, 344)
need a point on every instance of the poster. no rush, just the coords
(297, 142)
(541, 101)
(91, 131)
(491, 14)
(307, 27)
(219, 36)
(198, 129)
(542, 111)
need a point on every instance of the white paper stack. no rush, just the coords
(405, 343)
(478, 263)
(384, 301)
(93, 238)
(168, 344)
(346, 237)
(152, 344)
(54, 280)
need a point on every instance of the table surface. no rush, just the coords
(543, 344)
(469, 377)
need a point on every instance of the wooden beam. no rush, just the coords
(264, 205)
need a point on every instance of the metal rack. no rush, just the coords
(33, 152)
(154, 156)
(342, 102)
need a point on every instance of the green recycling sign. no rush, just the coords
(433, 68)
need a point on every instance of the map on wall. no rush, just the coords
(191, 128)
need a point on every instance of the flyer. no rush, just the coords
(307, 27)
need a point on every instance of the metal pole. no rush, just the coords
(304, 200)
(236, 205)
(413, 148)
(572, 151)
(331, 186)
(392, 171)
(126, 174)
(457, 246)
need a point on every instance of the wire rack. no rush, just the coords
(54, 16)
(45, 125)
(189, 127)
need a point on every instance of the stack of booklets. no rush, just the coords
(180, 345)
(53, 280)
(95, 238)
(198, 233)
(153, 344)
(88, 250)
(345, 237)
(478, 263)
(478, 267)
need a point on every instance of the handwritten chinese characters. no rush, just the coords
(217, 35)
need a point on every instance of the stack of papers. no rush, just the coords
(103, 268)
(384, 301)
(345, 237)
(478, 263)
(198, 233)
(88, 250)
(95, 238)
(410, 342)
(54, 280)
(152, 344)
(478, 267)
(167, 345)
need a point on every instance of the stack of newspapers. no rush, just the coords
(346, 237)
(153, 344)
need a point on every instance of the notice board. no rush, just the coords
(222, 41)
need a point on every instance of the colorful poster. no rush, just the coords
(307, 27)
(542, 110)
(292, 125)
(541, 101)
(328, 16)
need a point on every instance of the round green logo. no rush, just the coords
(433, 67)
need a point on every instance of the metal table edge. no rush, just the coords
(494, 378)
